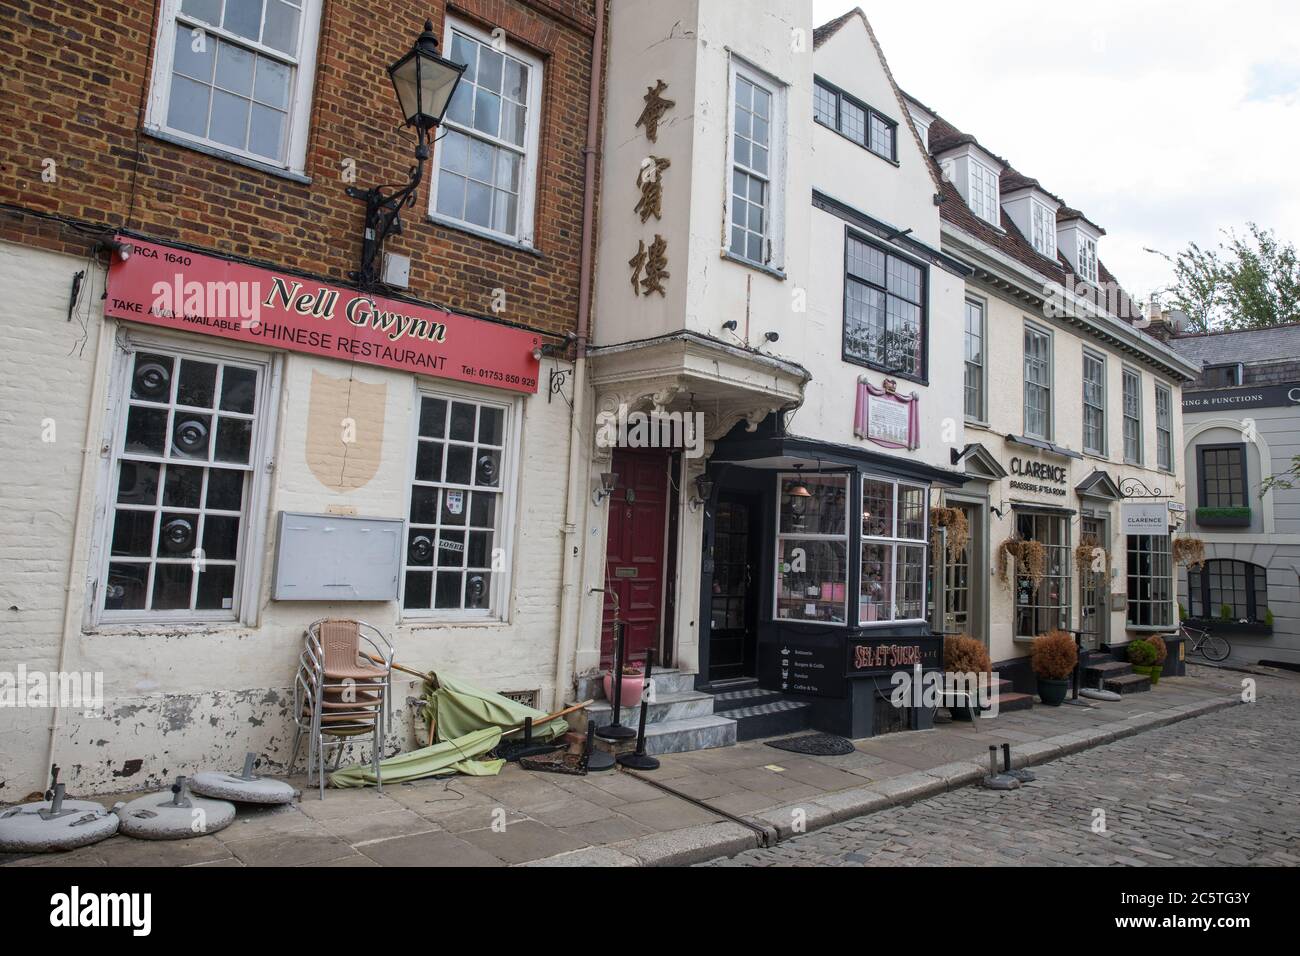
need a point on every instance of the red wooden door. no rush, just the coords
(634, 556)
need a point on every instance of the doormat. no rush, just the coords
(815, 745)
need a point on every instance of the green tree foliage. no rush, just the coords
(1249, 281)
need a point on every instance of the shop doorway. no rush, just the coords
(635, 586)
(965, 583)
(1094, 609)
(733, 635)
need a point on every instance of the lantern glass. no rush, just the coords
(424, 83)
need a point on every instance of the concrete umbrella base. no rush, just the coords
(178, 816)
(31, 828)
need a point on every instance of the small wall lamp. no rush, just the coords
(608, 482)
(703, 492)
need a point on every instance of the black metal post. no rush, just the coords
(640, 760)
(615, 729)
(1078, 662)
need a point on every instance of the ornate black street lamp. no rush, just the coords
(424, 82)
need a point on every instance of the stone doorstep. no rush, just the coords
(667, 706)
(690, 845)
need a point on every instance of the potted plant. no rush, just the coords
(1162, 654)
(633, 683)
(1053, 658)
(963, 654)
(1142, 656)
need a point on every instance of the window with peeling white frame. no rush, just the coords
(235, 76)
(486, 159)
(755, 193)
(455, 552)
(884, 309)
(181, 484)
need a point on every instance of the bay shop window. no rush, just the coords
(824, 558)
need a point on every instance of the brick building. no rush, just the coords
(144, 146)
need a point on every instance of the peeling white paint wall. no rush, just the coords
(180, 698)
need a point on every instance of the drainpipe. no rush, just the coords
(90, 447)
(571, 599)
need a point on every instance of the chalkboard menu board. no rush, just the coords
(808, 670)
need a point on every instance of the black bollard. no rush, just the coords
(1024, 776)
(615, 730)
(640, 760)
(595, 760)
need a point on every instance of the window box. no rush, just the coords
(1230, 628)
(1223, 517)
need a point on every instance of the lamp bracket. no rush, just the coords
(384, 205)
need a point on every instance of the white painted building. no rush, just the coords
(803, 318)
(1072, 414)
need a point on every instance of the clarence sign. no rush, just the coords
(176, 289)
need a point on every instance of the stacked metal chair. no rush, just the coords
(341, 692)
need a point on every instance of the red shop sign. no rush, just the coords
(176, 289)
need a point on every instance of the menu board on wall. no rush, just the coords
(808, 670)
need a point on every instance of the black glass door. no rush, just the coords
(733, 645)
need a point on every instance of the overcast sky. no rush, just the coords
(1164, 121)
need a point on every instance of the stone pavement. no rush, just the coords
(1217, 790)
(615, 819)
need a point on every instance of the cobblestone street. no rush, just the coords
(1216, 790)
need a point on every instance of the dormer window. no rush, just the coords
(984, 200)
(1088, 259)
(1044, 229)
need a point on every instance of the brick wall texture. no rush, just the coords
(74, 86)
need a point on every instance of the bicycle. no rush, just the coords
(1210, 646)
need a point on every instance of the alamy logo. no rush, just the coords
(655, 429)
(240, 301)
(71, 689)
(74, 909)
(932, 689)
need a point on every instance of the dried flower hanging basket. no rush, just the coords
(1086, 556)
(958, 528)
(1029, 559)
(1189, 552)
